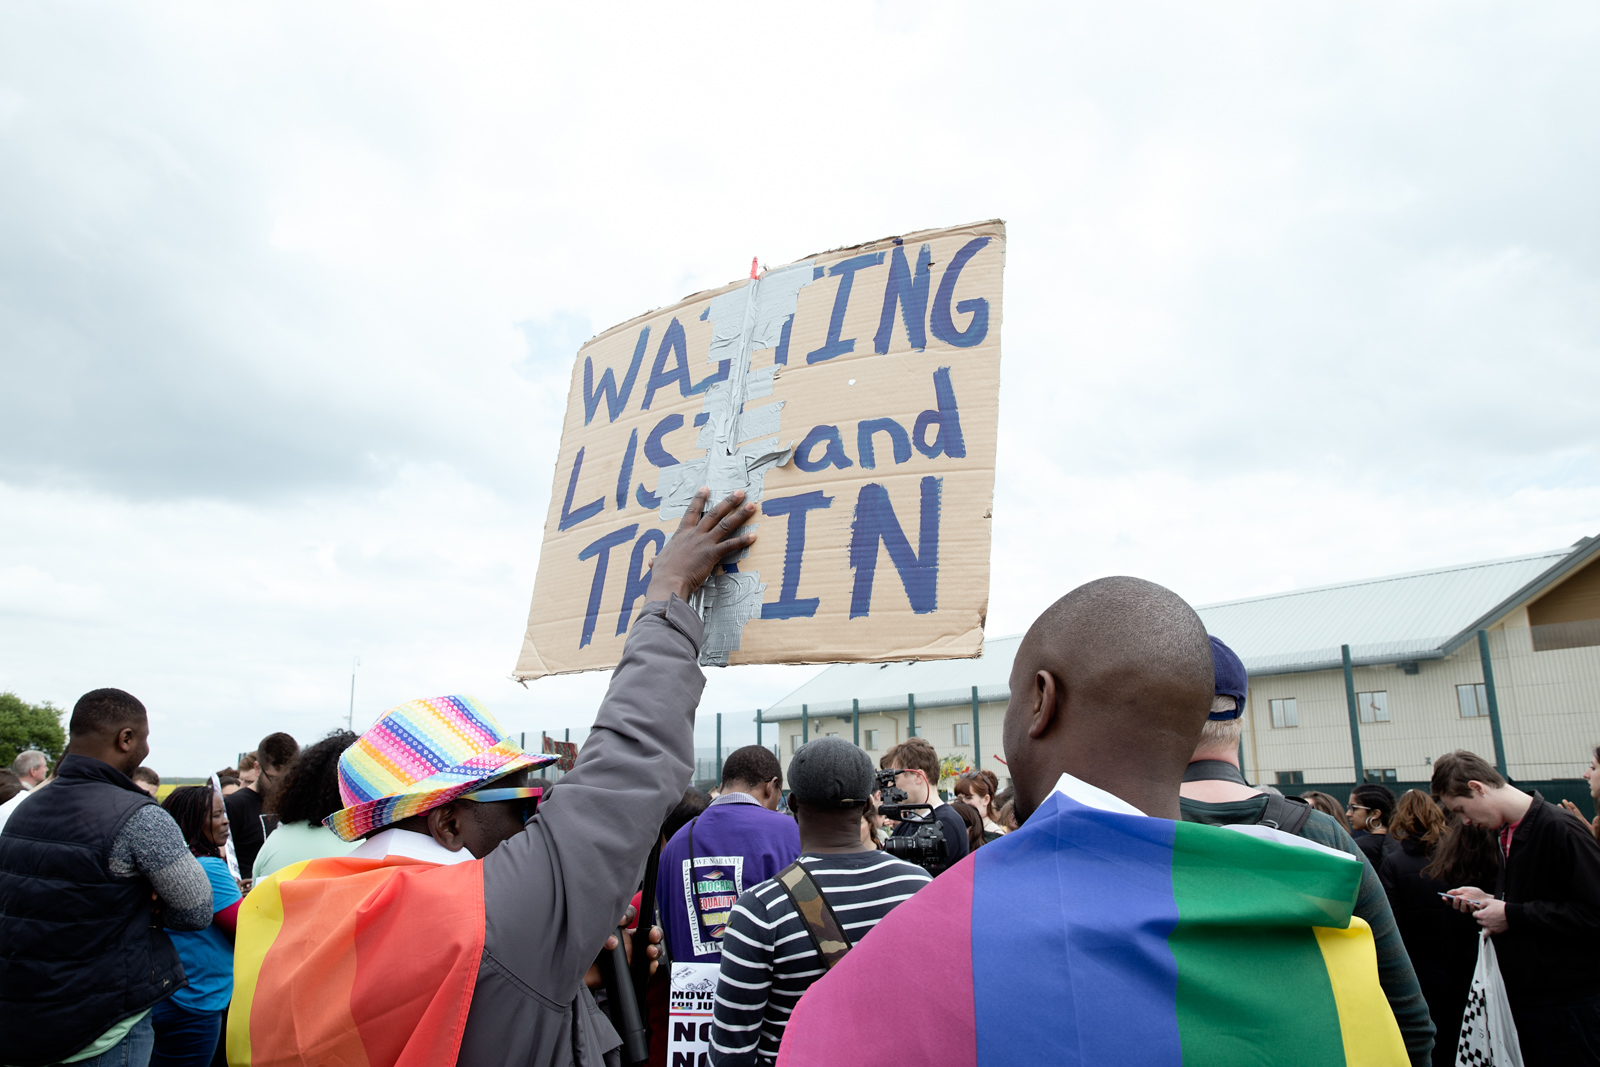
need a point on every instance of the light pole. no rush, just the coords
(350, 720)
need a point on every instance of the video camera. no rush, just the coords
(924, 846)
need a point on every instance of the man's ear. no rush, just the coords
(1043, 712)
(124, 741)
(447, 825)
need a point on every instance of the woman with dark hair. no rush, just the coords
(974, 821)
(1328, 806)
(188, 1024)
(1442, 942)
(1592, 776)
(1370, 809)
(305, 796)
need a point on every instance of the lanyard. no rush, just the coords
(694, 890)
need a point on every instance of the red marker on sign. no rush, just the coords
(752, 268)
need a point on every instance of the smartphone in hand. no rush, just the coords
(1476, 904)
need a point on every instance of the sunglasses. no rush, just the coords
(527, 797)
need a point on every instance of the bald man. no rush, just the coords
(1137, 939)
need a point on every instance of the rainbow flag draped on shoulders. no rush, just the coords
(1094, 938)
(356, 963)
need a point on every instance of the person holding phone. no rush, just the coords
(1544, 915)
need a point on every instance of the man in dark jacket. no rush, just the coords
(93, 846)
(1545, 917)
(1215, 792)
(274, 755)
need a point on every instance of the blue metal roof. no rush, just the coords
(1423, 615)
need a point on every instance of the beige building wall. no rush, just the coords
(1549, 711)
(937, 725)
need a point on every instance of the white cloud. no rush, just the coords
(288, 298)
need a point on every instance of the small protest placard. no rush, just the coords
(565, 751)
(854, 396)
(694, 988)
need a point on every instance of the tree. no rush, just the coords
(24, 726)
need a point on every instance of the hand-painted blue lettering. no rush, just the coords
(911, 293)
(845, 271)
(942, 325)
(780, 356)
(602, 550)
(919, 572)
(712, 379)
(673, 344)
(616, 399)
(947, 440)
(702, 418)
(653, 451)
(832, 456)
(638, 576)
(817, 272)
(787, 606)
(570, 518)
(625, 475)
(657, 456)
(897, 437)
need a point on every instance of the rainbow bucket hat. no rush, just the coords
(418, 756)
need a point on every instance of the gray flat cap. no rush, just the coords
(830, 772)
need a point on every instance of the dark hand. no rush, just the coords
(593, 979)
(703, 539)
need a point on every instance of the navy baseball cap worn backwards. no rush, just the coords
(1231, 679)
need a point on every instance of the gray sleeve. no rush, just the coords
(151, 845)
(553, 893)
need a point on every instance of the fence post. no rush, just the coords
(719, 746)
(911, 704)
(1355, 714)
(805, 723)
(977, 740)
(1494, 703)
(855, 721)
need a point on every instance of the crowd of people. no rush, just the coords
(419, 894)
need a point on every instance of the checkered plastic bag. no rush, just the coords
(1488, 1033)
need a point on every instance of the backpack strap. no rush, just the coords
(815, 914)
(1288, 814)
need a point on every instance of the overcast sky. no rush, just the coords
(289, 296)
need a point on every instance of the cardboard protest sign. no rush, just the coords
(854, 395)
(689, 1007)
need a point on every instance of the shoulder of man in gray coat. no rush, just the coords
(555, 892)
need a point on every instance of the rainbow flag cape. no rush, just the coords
(354, 962)
(1095, 938)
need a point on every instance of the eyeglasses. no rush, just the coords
(528, 795)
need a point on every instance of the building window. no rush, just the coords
(1283, 713)
(833, 733)
(1474, 701)
(870, 737)
(794, 743)
(963, 733)
(1374, 707)
(1386, 776)
(1291, 777)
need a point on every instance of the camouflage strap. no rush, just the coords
(812, 907)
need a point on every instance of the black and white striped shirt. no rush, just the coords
(768, 959)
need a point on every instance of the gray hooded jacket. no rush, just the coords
(554, 893)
